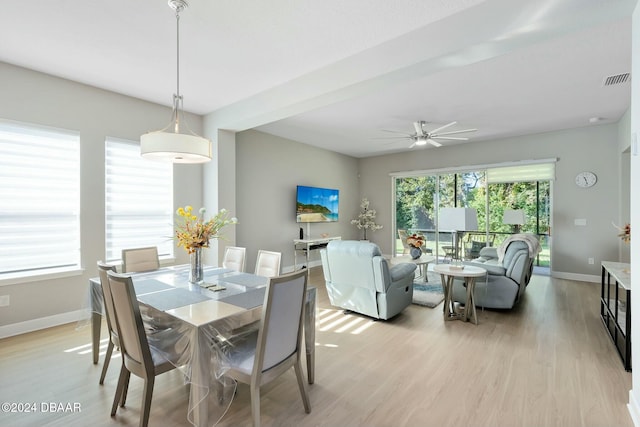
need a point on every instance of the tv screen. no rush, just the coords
(315, 204)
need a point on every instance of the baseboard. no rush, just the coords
(41, 323)
(634, 409)
(578, 277)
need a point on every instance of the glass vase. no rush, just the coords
(196, 274)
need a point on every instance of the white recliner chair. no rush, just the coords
(359, 279)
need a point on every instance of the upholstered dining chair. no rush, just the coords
(276, 347)
(268, 263)
(234, 258)
(114, 341)
(137, 357)
(140, 259)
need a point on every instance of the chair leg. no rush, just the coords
(146, 403)
(125, 389)
(303, 390)
(255, 404)
(119, 389)
(107, 359)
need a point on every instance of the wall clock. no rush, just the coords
(586, 179)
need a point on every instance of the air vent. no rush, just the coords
(616, 80)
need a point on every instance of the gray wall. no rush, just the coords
(33, 97)
(590, 148)
(268, 169)
(624, 191)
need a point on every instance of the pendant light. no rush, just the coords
(169, 144)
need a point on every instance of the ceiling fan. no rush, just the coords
(422, 137)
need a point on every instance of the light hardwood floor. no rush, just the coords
(549, 362)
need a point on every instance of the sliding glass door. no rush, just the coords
(419, 199)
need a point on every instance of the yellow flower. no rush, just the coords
(195, 232)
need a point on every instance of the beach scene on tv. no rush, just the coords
(316, 204)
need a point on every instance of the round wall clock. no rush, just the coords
(586, 179)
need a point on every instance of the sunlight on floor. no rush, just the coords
(86, 349)
(339, 322)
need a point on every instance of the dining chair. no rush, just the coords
(234, 258)
(268, 263)
(137, 357)
(114, 341)
(276, 347)
(140, 259)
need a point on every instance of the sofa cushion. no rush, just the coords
(491, 265)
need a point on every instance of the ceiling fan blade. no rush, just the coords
(452, 132)
(418, 127)
(412, 145)
(434, 143)
(395, 131)
(441, 127)
(451, 138)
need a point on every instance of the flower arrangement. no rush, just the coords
(366, 218)
(193, 231)
(625, 232)
(415, 241)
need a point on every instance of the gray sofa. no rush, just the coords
(359, 279)
(506, 281)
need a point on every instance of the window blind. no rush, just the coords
(139, 201)
(39, 198)
(522, 173)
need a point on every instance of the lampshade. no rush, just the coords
(175, 147)
(458, 219)
(513, 216)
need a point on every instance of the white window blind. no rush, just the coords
(139, 201)
(39, 199)
(522, 173)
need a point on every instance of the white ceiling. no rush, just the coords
(334, 73)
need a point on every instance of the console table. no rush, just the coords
(307, 245)
(615, 307)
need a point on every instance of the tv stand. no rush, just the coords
(307, 245)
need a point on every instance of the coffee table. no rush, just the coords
(422, 263)
(468, 273)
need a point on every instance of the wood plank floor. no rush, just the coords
(549, 362)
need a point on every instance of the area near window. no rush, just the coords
(39, 200)
(420, 196)
(138, 201)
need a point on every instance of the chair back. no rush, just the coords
(402, 234)
(107, 299)
(268, 263)
(140, 259)
(234, 258)
(133, 340)
(280, 333)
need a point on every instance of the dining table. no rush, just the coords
(200, 322)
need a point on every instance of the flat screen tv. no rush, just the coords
(315, 204)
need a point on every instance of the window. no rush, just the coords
(39, 200)
(489, 189)
(138, 201)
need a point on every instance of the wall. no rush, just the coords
(634, 394)
(33, 97)
(268, 169)
(624, 191)
(593, 148)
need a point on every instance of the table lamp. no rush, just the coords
(457, 220)
(514, 217)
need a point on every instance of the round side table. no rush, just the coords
(468, 273)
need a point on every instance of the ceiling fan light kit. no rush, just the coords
(421, 137)
(169, 144)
